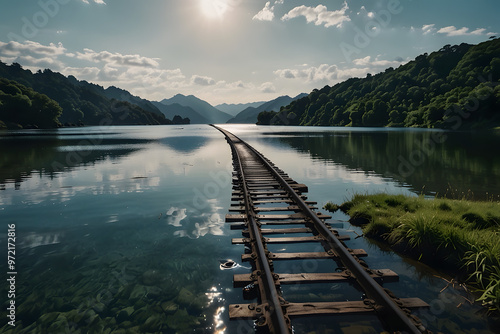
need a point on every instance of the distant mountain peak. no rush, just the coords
(203, 108)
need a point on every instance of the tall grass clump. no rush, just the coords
(460, 235)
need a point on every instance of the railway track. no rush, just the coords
(266, 202)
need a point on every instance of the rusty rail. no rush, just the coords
(273, 311)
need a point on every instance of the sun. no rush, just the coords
(214, 9)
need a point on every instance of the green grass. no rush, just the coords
(459, 235)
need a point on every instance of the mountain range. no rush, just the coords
(78, 102)
(249, 114)
(235, 109)
(203, 108)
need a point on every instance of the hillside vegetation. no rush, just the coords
(21, 106)
(455, 87)
(76, 102)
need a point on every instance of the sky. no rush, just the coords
(233, 51)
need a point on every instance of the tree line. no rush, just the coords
(48, 99)
(455, 87)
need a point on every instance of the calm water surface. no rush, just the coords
(123, 227)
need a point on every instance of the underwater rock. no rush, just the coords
(153, 292)
(151, 277)
(138, 292)
(126, 324)
(187, 299)
(182, 322)
(91, 317)
(48, 318)
(140, 315)
(110, 321)
(99, 307)
(124, 314)
(60, 325)
(153, 323)
(169, 307)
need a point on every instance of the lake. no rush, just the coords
(122, 227)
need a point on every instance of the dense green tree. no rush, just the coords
(81, 102)
(455, 85)
(265, 117)
(21, 106)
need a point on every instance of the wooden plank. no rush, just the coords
(230, 218)
(300, 187)
(281, 208)
(240, 280)
(261, 197)
(281, 201)
(284, 222)
(300, 239)
(304, 256)
(289, 240)
(237, 209)
(348, 307)
(267, 185)
(297, 215)
(261, 192)
(253, 311)
(283, 230)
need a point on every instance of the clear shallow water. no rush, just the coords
(124, 227)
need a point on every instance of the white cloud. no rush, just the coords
(202, 80)
(267, 87)
(464, 31)
(320, 15)
(33, 55)
(266, 13)
(14, 48)
(363, 11)
(82, 73)
(116, 58)
(366, 61)
(330, 74)
(100, 2)
(428, 28)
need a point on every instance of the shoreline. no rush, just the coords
(459, 236)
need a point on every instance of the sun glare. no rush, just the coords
(214, 9)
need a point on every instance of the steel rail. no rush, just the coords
(272, 296)
(387, 307)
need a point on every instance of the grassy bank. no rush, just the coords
(461, 235)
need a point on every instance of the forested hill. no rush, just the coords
(456, 87)
(76, 102)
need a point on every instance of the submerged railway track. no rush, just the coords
(265, 197)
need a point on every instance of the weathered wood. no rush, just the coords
(280, 208)
(286, 200)
(235, 218)
(284, 230)
(253, 311)
(304, 256)
(258, 180)
(300, 187)
(387, 275)
(284, 196)
(297, 215)
(286, 240)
